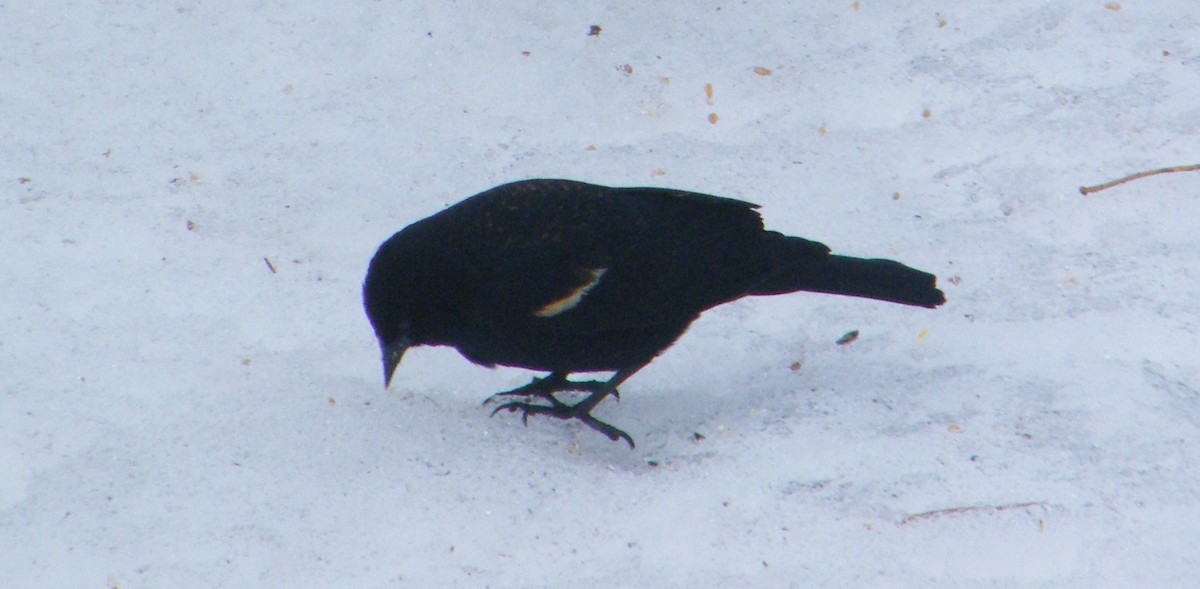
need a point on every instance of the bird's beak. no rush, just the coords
(392, 353)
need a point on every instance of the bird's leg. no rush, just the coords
(542, 388)
(557, 382)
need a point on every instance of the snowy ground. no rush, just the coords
(176, 413)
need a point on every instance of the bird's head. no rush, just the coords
(388, 301)
(390, 317)
(409, 300)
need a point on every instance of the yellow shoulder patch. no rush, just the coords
(575, 296)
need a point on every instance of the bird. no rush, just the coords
(561, 276)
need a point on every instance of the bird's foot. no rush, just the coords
(560, 410)
(544, 388)
(538, 388)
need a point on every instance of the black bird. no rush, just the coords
(562, 276)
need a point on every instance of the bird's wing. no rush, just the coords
(611, 259)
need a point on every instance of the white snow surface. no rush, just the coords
(173, 413)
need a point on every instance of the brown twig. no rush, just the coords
(936, 513)
(1086, 190)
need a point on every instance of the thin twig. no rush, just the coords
(969, 509)
(270, 266)
(1086, 190)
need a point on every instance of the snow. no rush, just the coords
(175, 413)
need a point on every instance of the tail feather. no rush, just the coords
(800, 267)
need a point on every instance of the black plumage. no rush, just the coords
(563, 276)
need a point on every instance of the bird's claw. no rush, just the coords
(521, 392)
(613, 433)
(564, 411)
(526, 409)
(544, 388)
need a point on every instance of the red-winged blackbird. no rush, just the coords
(562, 276)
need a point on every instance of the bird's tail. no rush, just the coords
(806, 265)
